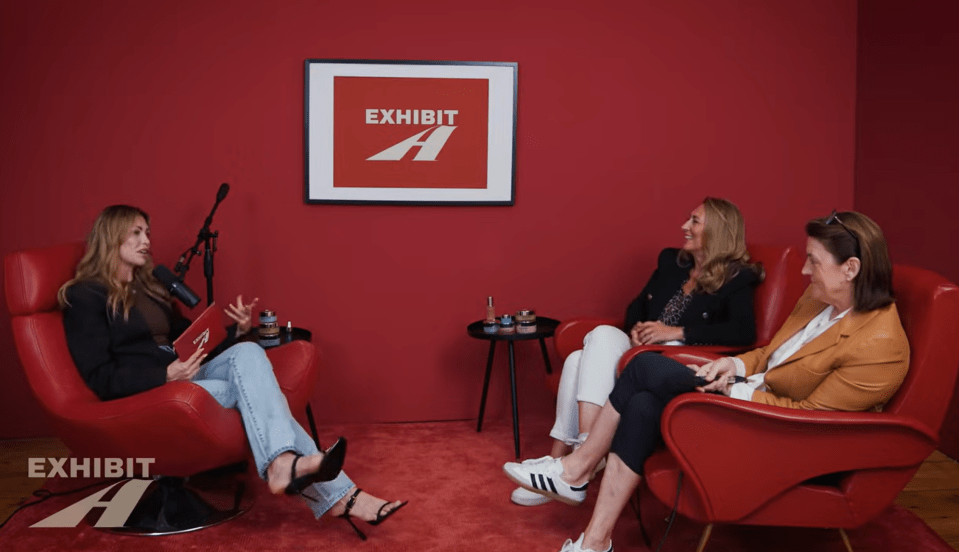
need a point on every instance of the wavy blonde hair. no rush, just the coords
(724, 246)
(101, 261)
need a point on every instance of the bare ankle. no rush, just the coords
(573, 473)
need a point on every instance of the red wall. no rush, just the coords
(630, 112)
(907, 160)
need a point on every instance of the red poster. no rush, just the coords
(395, 132)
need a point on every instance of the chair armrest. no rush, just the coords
(569, 334)
(297, 369)
(155, 422)
(727, 447)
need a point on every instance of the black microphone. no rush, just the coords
(220, 196)
(176, 288)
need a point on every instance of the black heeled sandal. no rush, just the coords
(380, 516)
(330, 467)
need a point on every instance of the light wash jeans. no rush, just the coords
(588, 376)
(242, 377)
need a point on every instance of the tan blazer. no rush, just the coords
(857, 364)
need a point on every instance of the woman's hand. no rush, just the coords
(185, 369)
(241, 314)
(717, 373)
(647, 333)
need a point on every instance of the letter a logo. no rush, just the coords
(118, 509)
(429, 148)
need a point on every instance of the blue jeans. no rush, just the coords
(242, 377)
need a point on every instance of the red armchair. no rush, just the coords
(774, 299)
(178, 424)
(813, 468)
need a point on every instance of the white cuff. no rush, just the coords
(741, 391)
(740, 366)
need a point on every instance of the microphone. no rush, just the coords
(176, 288)
(220, 196)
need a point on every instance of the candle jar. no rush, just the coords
(506, 325)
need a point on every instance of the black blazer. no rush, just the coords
(722, 318)
(118, 357)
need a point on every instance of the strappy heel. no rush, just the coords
(380, 516)
(330, 467)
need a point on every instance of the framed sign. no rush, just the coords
(410, 132)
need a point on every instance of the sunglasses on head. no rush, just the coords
(834, 217)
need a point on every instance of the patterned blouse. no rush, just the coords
(676, 307)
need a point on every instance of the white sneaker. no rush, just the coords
(570, 546)
(543, 476)
(528, 498)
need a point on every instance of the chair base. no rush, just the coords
(172, 506)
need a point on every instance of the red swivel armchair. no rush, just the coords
(752, 464)
(178, 424)
(773, 300)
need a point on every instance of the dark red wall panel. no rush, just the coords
(907, 159)
(630, 112)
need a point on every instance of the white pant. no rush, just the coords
(588, 376)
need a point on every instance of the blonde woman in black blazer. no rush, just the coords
(701, 293)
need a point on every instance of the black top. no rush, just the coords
(118, 357)
(722, 318)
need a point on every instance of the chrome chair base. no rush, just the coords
(174, 505)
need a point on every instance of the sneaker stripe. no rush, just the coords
(532, 478)
(551, 486)
(542, 484)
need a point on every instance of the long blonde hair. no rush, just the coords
(101, 261)
(724, 246)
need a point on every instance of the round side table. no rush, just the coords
(545, 327)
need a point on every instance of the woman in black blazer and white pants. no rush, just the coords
(701, 293)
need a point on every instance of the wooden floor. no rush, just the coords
(933, 494)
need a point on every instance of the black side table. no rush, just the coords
(545, 327)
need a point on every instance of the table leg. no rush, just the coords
(542, 345)
(512, 382)
(489, 367)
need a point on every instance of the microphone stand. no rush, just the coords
(208, 238)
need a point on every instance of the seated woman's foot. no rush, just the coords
(545, 476)
(580, 546)
(278, 474)
(366, 507)
(528, 498)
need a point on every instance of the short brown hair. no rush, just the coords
(851, 234)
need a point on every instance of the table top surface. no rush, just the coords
(545, 327)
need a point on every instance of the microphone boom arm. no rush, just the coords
(208, 238)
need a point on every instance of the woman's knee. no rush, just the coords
(248, 355)
(607, 336)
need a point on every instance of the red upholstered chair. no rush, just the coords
(752, 464)
(774, 299)
(179, 424)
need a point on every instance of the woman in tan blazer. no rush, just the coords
(842, 348)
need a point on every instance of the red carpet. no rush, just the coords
(459, 500)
